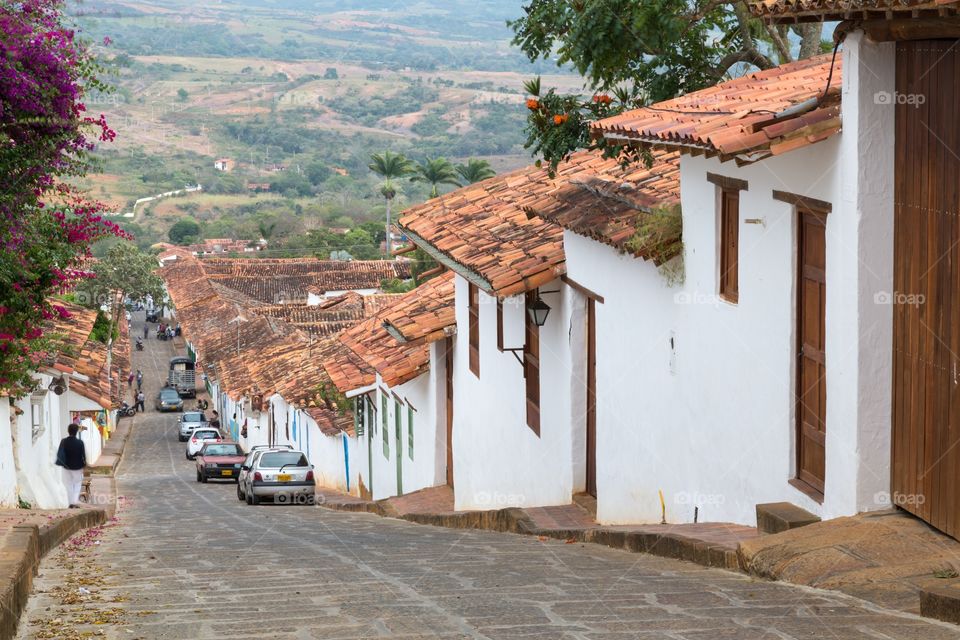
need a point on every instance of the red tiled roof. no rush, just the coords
(482, 232)
(602, 200)
(402, 352)
(740, 118)
(829, 10)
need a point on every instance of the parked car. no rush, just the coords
(153, 316)
(169, 400)
(248, 463)
(189, 421)
(200, 437)
(285, 475)
(219, 460)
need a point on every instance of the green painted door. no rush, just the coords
(398, 413)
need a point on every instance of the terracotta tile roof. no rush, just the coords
(425, 315)
(829, 10)
(482, 232)
(604, 201)
(71, 335)
(313, 319)
(370, 304)
(275, 280)
(739, 118)
(396, 342)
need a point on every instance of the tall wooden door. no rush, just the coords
(398, 440)
(592, 397)
(811, 409)
(925, 469)
(448, 366)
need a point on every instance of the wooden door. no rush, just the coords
(592, 397)
(925, 468)
(811, 411)
(370, 426)
(448, 366)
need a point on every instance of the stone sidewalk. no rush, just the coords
(889, 558)
(708, 544)
(27, 535)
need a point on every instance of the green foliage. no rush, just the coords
(658, 234)
(369, 111)
(182, 95)
(128, 271)
(475, 170)
(331, 74)
(103, 329)
(435, 171)
(184, 231)
(390, 166)
(396, 285)
(642, 51)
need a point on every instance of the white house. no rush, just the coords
(516, 381)
(399, 400)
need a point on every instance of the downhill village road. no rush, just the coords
(188, 560)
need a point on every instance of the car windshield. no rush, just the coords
(206, 435)
(222, 450)
(169, 394)
(192, 417)
(276, 459)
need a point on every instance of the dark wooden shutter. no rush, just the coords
(474, 328)
(811, 359)
(531, 366)
(729, 245)
(925, 469)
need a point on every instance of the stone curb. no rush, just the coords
(516, 520)
(26, 545)
(20, 557)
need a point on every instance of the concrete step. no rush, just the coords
(777, 517)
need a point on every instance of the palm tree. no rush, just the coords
(475, 170)
(389, 166)
(435, 171)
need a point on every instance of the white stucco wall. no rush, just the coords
(420, 471)
(498, 460)
(712, 424)
(39, 480)
(8, 471)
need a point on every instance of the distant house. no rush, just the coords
(223, 164)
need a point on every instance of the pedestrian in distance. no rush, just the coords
(215, 420)
(130, 380)
(146, 331)
(72, 458)
(139, 379)
(140, 400)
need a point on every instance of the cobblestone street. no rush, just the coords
(188, 560)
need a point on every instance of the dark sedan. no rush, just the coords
(219, 460)
(169, 400)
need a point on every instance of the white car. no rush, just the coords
(200, 437)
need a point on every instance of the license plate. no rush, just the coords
(227, 472)
(283, 477)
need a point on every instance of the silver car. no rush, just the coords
(285, 475)
(189, 421)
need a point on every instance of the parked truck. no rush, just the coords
(182, 377)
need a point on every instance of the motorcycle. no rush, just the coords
(139, 344)
(202, 405)
(126, 411)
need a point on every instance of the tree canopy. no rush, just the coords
(435, 172)
(475, 170)
(634, 52)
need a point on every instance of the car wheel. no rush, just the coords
(181, 439)
(189, 457)
(240, 495)
(198, 476)
(249, 498)
(203, 478)
(254, 498)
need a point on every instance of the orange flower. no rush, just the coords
(533, 104)
(560, 119)
(602, 98)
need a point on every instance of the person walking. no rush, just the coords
(215, 420)
(140, 399)
(72, 458)
(139, 379)
(130, 380)
(146, 331)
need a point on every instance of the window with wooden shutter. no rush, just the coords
(474, 329)
(385, 424)
(358, 424)
(499, 324)
(729, 245)
(531, 366)
(410, 431)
